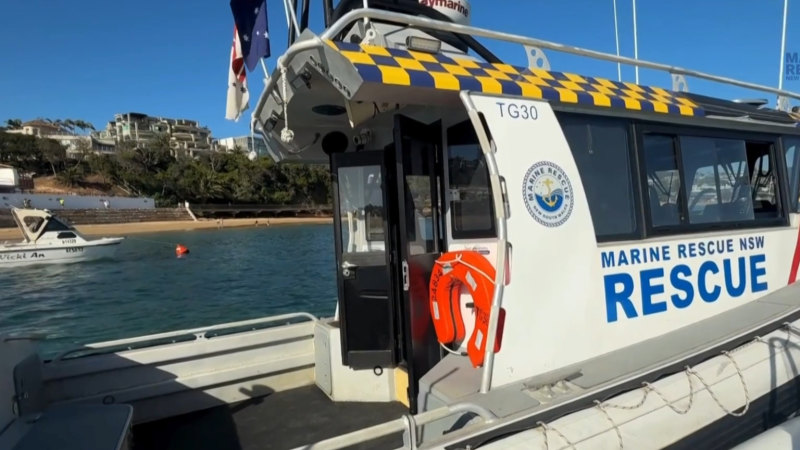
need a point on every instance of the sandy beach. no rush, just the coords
(124, 229)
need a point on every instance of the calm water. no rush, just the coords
(229, 275)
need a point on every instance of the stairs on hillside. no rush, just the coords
(106, 216)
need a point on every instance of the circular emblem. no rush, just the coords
(548, 194)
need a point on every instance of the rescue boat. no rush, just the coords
(526, 258)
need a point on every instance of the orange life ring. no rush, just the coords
(473, 270)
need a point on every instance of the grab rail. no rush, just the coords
(199, 333)
(407, 424)
(433, 24)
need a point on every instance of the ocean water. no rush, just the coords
(229, 275)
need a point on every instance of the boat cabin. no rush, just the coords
(35, 223)
(611, 213)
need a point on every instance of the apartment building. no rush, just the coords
(138, 128)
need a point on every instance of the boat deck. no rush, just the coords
(282, 420)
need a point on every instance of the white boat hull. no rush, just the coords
(682, 405)
(26, 255)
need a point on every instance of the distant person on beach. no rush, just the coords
(61, 202)
(105, 203)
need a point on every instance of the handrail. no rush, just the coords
(404, 424)
(424, 22)
(500, 272)
(199, 333)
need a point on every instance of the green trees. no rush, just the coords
(170, 176)
(233, 178)
(31, 154)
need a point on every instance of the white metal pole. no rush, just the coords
(264, 67)
(635, 42)
(616, 38)
(783, 43)
(291, 18)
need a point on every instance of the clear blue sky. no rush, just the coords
(90, 59)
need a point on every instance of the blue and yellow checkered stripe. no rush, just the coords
(408, 68)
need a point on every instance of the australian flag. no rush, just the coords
(250, 17)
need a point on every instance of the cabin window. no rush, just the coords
(361, 209)
(763, 180)
(731, 180)
(418, 199)
(704, 180)
(718, 180)
(791, 148)
(66, 235)
(55, 225)
(663, 180)
(601, 152)
(471, 206)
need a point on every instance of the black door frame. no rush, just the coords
(413, 355)
(357, 159)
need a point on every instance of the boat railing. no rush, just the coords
(407, 424)
(438, 25)
(189, 334)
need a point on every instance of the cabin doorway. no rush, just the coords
(387, 227)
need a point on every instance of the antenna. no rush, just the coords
(635, 43)
(616, 38)
(783, 51)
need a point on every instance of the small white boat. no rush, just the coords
(48, 240)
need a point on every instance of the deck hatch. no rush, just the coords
(398, 67)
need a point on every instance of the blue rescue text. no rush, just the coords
(696, 271)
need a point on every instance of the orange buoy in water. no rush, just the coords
(181, 250)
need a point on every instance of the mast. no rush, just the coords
(616, 38)
(783, 43)
(635, 42)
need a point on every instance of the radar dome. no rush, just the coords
(456, 10)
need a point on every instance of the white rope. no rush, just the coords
(669, 403)
(451, 351)
(546, 428)
(714, 396)
(611, 421)
(632, 407)
(647, 388)
(287, 135)
(460, 261)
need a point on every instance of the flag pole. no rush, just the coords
(264, 67)
(616, 38)
(635, 43)
(783, 43)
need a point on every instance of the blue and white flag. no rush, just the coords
(250, 17)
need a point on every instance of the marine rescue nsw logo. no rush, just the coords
(548, 194)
